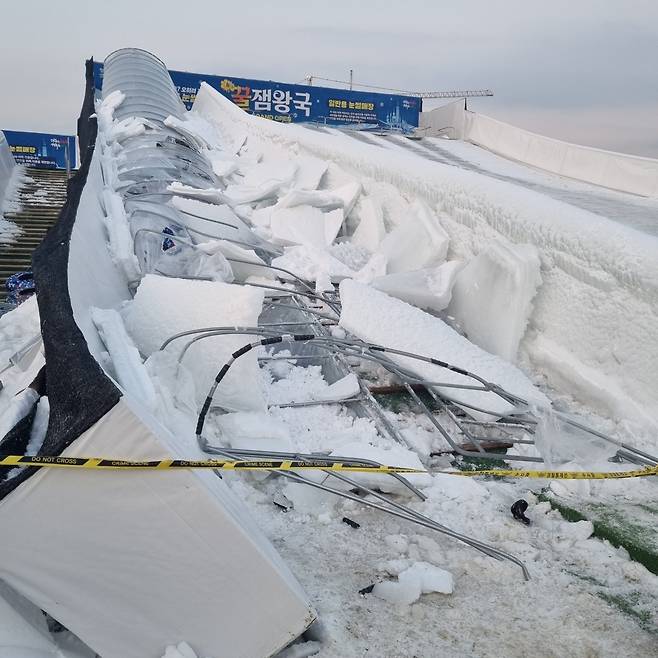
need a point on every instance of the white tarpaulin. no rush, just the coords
(134, 561)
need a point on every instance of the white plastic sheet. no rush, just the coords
(131, 562)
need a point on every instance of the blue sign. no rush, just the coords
(289, 103)
(42, 150)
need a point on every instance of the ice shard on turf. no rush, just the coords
(130, 562)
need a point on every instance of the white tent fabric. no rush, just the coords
(134, 561)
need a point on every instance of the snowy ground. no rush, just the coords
(9, 203)
(550, 271)
(570, 607)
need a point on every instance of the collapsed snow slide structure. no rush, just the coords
(129, 564)
(188, 299)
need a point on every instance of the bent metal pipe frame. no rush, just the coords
(388, 506)
(377, 353)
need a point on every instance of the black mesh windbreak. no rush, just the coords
(84, 123)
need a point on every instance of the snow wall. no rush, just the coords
(448, 120)
(618, 171)
(7, 165)
(593, 330)
(129, 562)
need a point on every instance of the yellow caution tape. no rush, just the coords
(557, 475)
(96, 463)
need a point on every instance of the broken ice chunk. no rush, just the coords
(348, 193)
(223, 164)
(419, 578)
(316, 198)
(492, 296)
(305, 225)
(417, 243)
(375, 317)
(347, 387)
(254, 431)
(165, 306)
(298, 225)
(429, 288)
(309, 172)
(243, 270)
(127, 364)
(370, 231)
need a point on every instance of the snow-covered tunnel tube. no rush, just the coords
(128, 562)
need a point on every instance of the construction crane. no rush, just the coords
(461, 93)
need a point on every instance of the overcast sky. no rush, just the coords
(583, 70)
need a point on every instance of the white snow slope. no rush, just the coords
(594, 327)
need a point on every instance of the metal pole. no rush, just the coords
(351, 78)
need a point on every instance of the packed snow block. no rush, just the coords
(241, 194)
(371, 230)
(311, 263)
(218, 221)
(310, 171)
(348, 194)
(298, 225)
(277, 171)
(305, 225)
(209, 195)
(324, 199)
(377, 318)
(261, 181)
(429, 288)
(16, 409)
(492, 296)
(254, 431)
(165, 306)
(223, 164)
(419, 578)
(332, 222)
(122, 247)
(417, 243)
(123, 356)
(147, 560)
(251, 265)
(187, 131)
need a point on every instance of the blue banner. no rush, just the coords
(43, 150)
(290, 103)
